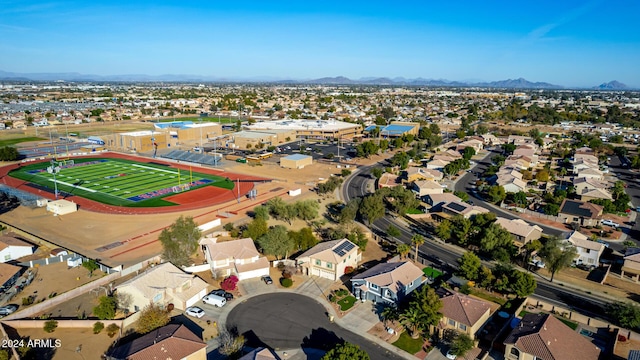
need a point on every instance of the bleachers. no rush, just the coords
(196, 158)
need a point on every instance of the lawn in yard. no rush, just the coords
(346, 303)
(408, 344)
(119, 182)
(431, 273)
(488, 297)
(9, 142)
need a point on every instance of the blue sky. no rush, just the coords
(570, 43)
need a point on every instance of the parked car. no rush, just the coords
(227, 295)
(585, 267)
(610, 223)
(451, 355)
(606, 244)
(194, 311)
(8, 309)
(215, 300)
(267, 279)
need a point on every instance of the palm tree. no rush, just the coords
(416, 241)
(389, 313)
(403, 250)
(413, 320)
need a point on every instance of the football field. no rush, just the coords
(118, 182)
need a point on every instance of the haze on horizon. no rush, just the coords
(568, 43)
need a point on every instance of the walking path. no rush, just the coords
(358, 320)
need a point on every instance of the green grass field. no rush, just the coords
(119, 182)
(9, 142)
(223, 120)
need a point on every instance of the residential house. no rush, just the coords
(9, 274)
(173, 341)
(580, 212)
(477, 145)
(512, 184)
(437, 164)
(490, 140)
(543, 336)
(630, 267)
(592, 194)
(431, 174)
(589, 252)
(519, 140)
(426, 187)
(387, 282)
(437, 200)
(583, 184)
(590, 173)
(415, 173)
(463, 209)
(12, 247)
(521, 231)
(454, 154)
(329, 259)
(519, 162)
(462, 312)
(164, 284)
(236, 257)
(260, 353)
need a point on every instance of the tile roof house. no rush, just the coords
(590, 173)
(164, 284)
(329, 259)
(236, 257)
(426, 187)
(542, 336)
(387, 282)
(416, 173)
(583, 213)
(477, 145)
(13, 247)
(437, 164)
(582, 184)
(521, 231)
(9, 274)
(591, 194)
(465, 210)
(462, 312)
(173, 341)
(260, 353)
(589, 252)
(437, 200)
(631, 265)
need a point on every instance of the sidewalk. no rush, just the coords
(359, 320)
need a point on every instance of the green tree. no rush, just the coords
(400, 159)
(461, 344)
(557, 256)
(389, 313)
(531, 247)
(542, 175)
(414, 320)
(91, 266)
(303, 239)
(462, 195)
(256, 228)
(486, 277)
(495, 236)
(523, 284)
(444, 230)
(496, 194)
(276, 242)
(469, 265)
(180, 241)
(307, 210)
(9, 153)
(429, 303)
(261, 212)
(349, 212)
(151, 318)
(627, 315)
(468, 152)
(462, 229)
(346, 351)
(372, 208)
(377, 172)
(416, 241)
(520, 198)
(508, 149)
(403, 250)
(393, 231)
(106, 309)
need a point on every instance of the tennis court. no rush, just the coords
(117, 181)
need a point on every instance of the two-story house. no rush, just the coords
(426, 187)
(387, 282)
(521, 231)
(236, 257)
(580, 212)
(164, 284)
(329, 259)
(462, 312)
(173, 341)
(588, 252)
(631, 265)
(542, 336)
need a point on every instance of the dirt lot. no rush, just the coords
(613, 288)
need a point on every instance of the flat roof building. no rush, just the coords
(296, 161)
(311, 129)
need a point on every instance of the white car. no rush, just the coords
(217, 301)
(610, 223)
(451, 355)
(194, 311)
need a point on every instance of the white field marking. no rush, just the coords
(79, 187)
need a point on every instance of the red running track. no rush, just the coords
(186, 201)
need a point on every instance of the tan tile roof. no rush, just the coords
(262, 263)
(7, 271)
(443, 198)
(462, 308)
(324, 251)
(546, 337)
(517, 227)
(172, 341)
(165, 276)
(427, 184)
(260, 354)
(12, 239)
(597, 193)
(234, 249)
(580, 240)
(394, 276)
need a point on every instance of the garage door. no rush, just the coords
(195, 298)
(323, 273)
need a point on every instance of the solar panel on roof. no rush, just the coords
(456, 206)
(344, 248)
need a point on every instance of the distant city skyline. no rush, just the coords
(568, 43)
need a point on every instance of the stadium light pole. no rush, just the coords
(53, 169)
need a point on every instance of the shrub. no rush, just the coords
(27, 300)
(50, 326)
(286, 282)
(230, 283)
(112, 330)
(97, 327)
(151, 318)
(348, 269)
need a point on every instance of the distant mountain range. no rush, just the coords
(339, 80)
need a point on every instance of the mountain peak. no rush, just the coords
(612, 85)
